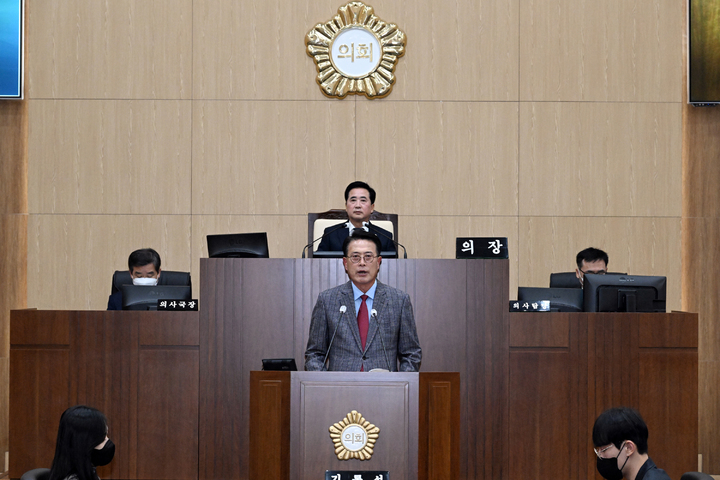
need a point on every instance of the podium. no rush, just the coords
(418, 416)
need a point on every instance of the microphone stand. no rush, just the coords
(377, 231)
(338, 227)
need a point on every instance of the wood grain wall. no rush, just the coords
(13, 243)
(557, 124)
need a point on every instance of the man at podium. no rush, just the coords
(363, 325)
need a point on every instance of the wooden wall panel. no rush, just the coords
(271, 157)
(71, 258)
(255, 50)
(542, 382)
(13, 157)
(119, 49)
(434, 236)
(13, 272)
(594, 159)
(468, 52)
(110, 157)
(643, 246)
(440, 158)
(50, 397)
(168, 411)
(663, 373)
(13, 241)
(612, 50)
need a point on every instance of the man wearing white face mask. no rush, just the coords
(144, 266)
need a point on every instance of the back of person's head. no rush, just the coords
(360, 234)
(81, 429)
(142, 257)
(360, 185)
(590, 255)
(616, 425)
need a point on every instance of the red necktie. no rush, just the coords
(363, 322)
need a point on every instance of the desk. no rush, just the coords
(531, 383)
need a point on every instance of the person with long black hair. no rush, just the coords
(82, 444)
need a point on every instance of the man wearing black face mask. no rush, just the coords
(620, 438)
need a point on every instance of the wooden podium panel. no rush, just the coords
(139, 368)
(260, 308)
(566, 368)
(418, 418)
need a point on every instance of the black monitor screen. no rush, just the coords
(624, 293)
(238, 245)
(561, 299)
(141, 297)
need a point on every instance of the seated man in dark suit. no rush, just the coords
(363, 324)
(359, 204)
(144, 265)
(590, 260)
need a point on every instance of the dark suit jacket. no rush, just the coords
(394, 329)
(115, 301)
(333, 242)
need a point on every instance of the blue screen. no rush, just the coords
(11, 48)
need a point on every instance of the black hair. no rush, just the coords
(360, 234)
(81, 429)
(616, 425)
(360, 185)
(590, 255)
(142, 257)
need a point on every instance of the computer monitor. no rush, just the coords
(279, 364)
(561, 299)
(624, 293)
(238, 245)
(141, 297)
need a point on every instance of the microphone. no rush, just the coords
(375, 316)
(343, 309)
(337, 227)
(377, 231)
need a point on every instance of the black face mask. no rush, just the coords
(608, 469)
(102, 457)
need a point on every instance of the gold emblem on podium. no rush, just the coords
(354, 437)
(355, 52)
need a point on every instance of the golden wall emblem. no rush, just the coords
(354, 437)
(355, 52)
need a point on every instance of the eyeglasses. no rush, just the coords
(598, 452)
(596, 272)
(602, 450)
(368, 258)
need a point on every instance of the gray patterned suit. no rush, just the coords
(394, 318)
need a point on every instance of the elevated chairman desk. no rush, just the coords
(175, 386)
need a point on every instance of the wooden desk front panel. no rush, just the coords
(567, 368)
(139, 368)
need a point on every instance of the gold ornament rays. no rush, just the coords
(376, 84)
(354, 419)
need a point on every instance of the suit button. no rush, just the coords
(364, 357)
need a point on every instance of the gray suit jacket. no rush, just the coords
(394, 328)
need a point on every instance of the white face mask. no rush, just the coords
(145, 282)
